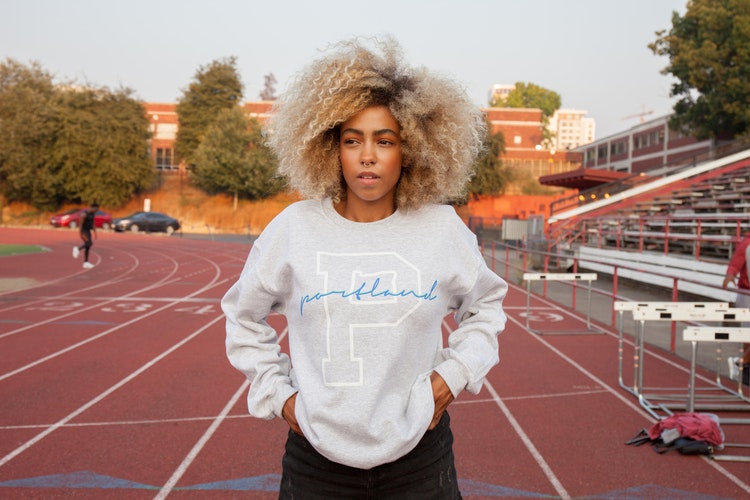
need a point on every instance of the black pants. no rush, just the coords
(427, 472)
(87, 243)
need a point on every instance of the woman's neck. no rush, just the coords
(363, 212)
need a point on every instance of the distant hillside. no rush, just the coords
(200, 213)
(196, 211)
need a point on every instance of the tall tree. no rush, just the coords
(102, 146)
(490, 177)
(28, 127)
(709, 55)
(530, 95)
(67, 143)
(215, 87)
(233, 159)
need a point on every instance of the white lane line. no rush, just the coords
(60, 423)
(121, 423)
(546, 469)
(165, 281)
(193, 454)
(111, 281)
(65, 278)
(627, 400)
(607, 330)
(125, 298)
(612, 390)
(531, 396)
(100, 335)
(75, 311)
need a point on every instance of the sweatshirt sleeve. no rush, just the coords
(252, 345)
(737, 262)
(472, 348)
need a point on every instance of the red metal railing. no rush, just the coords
(511, 261)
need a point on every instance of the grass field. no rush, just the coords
(6, 250)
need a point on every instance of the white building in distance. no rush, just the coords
(571, 128)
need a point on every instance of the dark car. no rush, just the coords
(72, 219)
(146, 221)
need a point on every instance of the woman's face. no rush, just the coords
(370, 153)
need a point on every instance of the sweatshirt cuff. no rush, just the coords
(453, 374)
(284, 393)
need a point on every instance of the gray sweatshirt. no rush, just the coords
(364, 303)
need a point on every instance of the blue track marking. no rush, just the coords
(270, 483)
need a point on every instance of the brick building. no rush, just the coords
(645, 147)
(164, 125)
(649, 148)
(522, 129)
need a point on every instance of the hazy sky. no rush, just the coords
(592, 52)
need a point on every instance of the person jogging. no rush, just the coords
(87, 231)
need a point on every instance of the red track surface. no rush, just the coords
(114, 384)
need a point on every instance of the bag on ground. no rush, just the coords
(688, 433)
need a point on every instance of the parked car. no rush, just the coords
(146, 221)
(72, 219)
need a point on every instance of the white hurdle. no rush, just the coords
(588, 277)
(695, 334)
(697, 312)
(658, 311)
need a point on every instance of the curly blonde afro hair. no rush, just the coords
(442, 132)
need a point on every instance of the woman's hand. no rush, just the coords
(288, 413)
(443, 397)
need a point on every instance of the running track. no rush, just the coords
(114, 384)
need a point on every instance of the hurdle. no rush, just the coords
(621, 307)
(588, 277)
(674, 311)
(695, 334)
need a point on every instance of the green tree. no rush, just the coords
(530, 95)
(215, 87)
(28, 127)
(101, 151)
(490, 177)
(66, 143)
(709, 55)
(233, 159)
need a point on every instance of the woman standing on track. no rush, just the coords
(364, 272)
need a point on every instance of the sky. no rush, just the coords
(594, 53)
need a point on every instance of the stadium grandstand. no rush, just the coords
(687, 217)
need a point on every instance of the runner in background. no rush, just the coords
(738, 268)
(87, 231)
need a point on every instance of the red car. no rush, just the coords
(72, 219)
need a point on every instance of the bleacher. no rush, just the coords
(701, 211)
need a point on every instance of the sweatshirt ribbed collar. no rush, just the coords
(336, 218)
